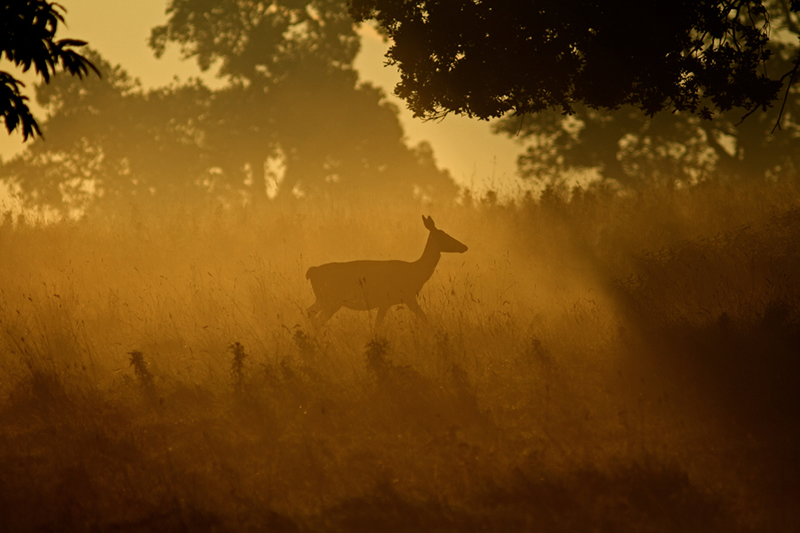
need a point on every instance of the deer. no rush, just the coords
(369, 284)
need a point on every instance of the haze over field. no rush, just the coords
(474, 156)
(260, 302)
(618, 361)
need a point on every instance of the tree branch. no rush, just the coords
(791, 76)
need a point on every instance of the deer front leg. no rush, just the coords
(414, 306)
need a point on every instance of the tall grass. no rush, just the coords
(595, 361)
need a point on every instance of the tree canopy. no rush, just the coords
(484, 58)
(108, 140)
(293, 95)
(27, 39)
(291, 120)
(636, 152)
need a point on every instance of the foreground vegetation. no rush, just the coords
(594, 362)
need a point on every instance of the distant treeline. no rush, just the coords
(292, 120)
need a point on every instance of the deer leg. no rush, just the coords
(326, 315)
(414, 306)
(381, 314)
(320, 314)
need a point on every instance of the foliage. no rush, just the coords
(109, 143)
(27, 38)
(668, 149)
(486, 58)
(290, 122)
(293, 96)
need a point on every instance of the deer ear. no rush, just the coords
(428, 223)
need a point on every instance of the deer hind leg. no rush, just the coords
(313, 311)
(320, 314)
(381, 314)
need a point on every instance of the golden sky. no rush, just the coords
(119, 30)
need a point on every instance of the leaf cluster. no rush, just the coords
(259, 41)
(27, 39)
(484, 58)
(635, 151)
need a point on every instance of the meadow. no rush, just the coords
(595, 362)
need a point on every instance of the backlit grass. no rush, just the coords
(597, 362)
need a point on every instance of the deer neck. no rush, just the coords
(430, 258)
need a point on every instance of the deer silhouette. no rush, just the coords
(365, 285)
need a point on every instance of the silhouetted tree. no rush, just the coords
(27, 39)
(109, 141)
(484, 58)
(636, 151)
(293, 96)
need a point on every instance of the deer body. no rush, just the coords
(364, 285)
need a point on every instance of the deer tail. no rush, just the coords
(310, 272)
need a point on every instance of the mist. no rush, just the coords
(607, 341)
(590, 359)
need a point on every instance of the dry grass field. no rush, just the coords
(592, 363)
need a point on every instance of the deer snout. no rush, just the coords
(459, 248)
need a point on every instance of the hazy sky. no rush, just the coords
(119, 30)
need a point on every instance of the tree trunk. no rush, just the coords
(258, 188)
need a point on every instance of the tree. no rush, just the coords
(293, 96)
(109, 141)
(484, 58)
(670, 148)
(27, 38)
